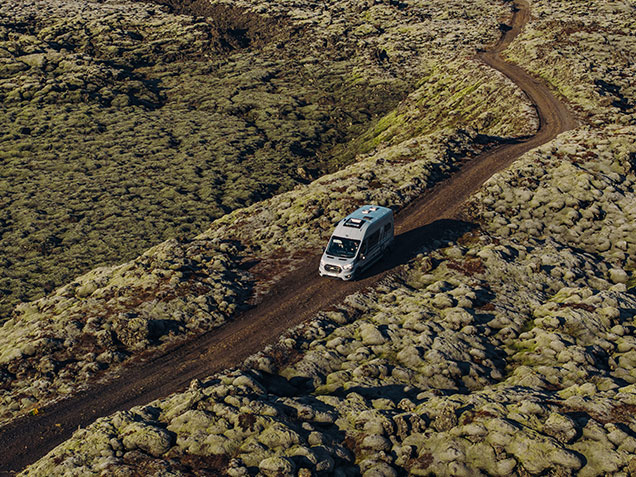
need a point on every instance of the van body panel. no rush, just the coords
(358, 241)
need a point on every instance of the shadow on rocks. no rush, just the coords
(430, 237)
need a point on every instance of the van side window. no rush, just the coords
(387, 227)
(373, 239)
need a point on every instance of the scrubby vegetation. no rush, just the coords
(501, 353)
(186, 285)
(510, 351)
(123, 124)
(110, 314)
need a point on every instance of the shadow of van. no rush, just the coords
(408, 245)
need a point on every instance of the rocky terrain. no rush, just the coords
(511, 351)
(508, 352)
(124, 124)
(52, 346)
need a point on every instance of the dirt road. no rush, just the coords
(295, 299)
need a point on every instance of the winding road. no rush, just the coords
(296, 298)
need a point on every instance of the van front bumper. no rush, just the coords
(335, 271)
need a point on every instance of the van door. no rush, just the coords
(363, 249)
(373, 245)
(387, 235)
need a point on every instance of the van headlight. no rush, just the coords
(348, 266)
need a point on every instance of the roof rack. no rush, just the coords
(369, 210)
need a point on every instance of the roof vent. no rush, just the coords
(355, 223)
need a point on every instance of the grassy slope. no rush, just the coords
(122, 126)
(508, 352)
(186, 285)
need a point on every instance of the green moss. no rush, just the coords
(464, 92)
(110, 160)
(561, 295)
(523, 353)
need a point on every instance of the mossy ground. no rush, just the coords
(123, 126)
(510, 352)
(202, 129)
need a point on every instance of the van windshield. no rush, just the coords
(342, 247)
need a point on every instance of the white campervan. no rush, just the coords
(358, 241)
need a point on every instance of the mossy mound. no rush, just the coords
(187, 285)
(489, 354)
(506, 350)
(124, 124)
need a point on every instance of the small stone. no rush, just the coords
(277, 467)
(153, 440)
(376, 443)
(381, 469)
(410, 357)
(618, 275)
(560, 427)
(371, 335)
(443, 300)
(446, 419)
(505, 467)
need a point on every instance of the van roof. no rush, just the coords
(357, 222)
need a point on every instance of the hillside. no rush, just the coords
(506, 347)
(189, 284)
(124, 124)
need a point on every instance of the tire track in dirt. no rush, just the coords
(296, 298)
